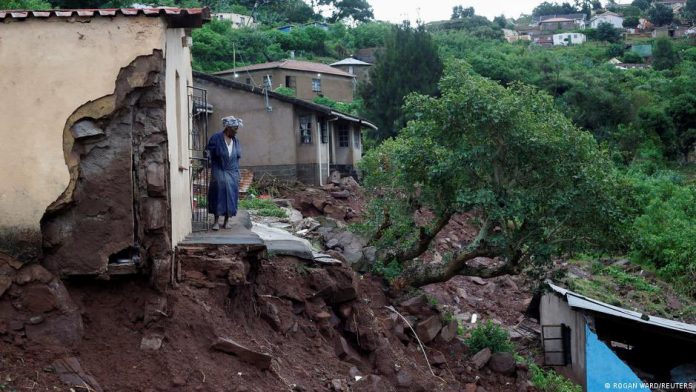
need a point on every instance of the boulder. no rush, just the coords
(32, 273)
(503, 363)
(415, 305)
(350, 183)
(428, 329)
(151, 342)
(5, 283)
(449, 331)
(335, 211)
(344, 194)
(481, 358)
(438, 359)
(59, 330)
(335, 177)
(478, 280)
(260, 360)
(293, 216)
(372, 383)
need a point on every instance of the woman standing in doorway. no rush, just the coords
(224, 153)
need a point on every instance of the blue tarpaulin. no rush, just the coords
(605, 370)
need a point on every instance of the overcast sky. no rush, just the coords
(396, 11)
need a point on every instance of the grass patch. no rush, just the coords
(262, 207)
(550, 381)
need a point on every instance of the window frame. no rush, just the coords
(316, 85)
(305, 129)
(343, 137)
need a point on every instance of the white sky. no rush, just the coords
(396, 11)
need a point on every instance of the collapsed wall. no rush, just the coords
(116, 206)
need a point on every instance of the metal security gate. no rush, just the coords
(199, 168)
(556, 343)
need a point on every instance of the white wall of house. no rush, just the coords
(614, 20)
(177, 79)
(565, 39)
(237, 20)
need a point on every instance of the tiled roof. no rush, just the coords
(187, 16)
(295, 65)
(556, 20)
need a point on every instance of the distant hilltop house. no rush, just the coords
(95, 132)
(676, 5)
(237, 20)
(308, 79)
(353, 66)
(612, 18)
(567, 39)
(544, 40)
(560, 22)
(290, 27)
(286, 137)
(671, 32)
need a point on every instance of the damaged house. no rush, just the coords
(283, 136)
(94, 135)
(606, 347)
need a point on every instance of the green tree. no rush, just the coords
(642, 4)
(689, 11)
(664, 56)
(682, 109)
(501, 21)
(352, 10)
(25, 5)
(459, 12)
(606, 32)
(660, 14)
(547, 8)
(537, 184)
(409, 63)
(631, 22)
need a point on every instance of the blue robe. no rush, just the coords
(224, 182)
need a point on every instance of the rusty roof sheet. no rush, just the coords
(194, 13)
(295, 65)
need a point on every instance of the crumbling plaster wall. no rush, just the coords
(51, 67)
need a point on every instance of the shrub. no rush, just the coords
(550, 381)
(489, 335)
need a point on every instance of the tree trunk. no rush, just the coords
(425, 237)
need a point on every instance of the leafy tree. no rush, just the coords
(354, 10)
(632, 58)
(689, 11)
(409, 63)
(459, 12)
(664, 56)
(682, 109)
(606, 32)
(547, 8)
(501, 21)
(631, 22)
(642, 4)
(24, 5)
(660, 14)
(538, 185)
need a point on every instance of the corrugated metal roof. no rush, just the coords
(295, 65)
(350, 61)
(198, 13)
(576, 300)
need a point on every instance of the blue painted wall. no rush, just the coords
(605, 370)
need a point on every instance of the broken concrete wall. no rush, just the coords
(116, 205)
(51, 66)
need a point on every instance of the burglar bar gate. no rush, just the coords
(199, 168)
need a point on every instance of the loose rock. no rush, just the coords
(481, 358)
(260, 360)
(502, 363)
(428, 329)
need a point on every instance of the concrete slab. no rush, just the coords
(280, 242)
(237, 234)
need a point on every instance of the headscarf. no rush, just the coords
(232, 121)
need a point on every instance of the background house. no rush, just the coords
(360, 69)
(285, 137)
(236, 20)
(565, 39)
(612, 18)
(308, 79)
(554, 24)
(550, 22)
(95, 131)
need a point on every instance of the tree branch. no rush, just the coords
(425, 237)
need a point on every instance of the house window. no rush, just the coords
(343, 137)
(248, 81)
(268, 81)
(290, 82)
(316, 85)
(323, 128)
(351, 70)
(306, 129)
(241, 21)
(356, 138)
